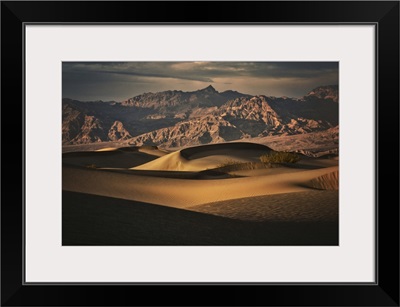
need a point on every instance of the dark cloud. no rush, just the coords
(121, 80)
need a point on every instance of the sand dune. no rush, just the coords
(92, 146)
(239, 148)
(153, 151)
(291, 199)
(98, 220)
(110, 157)
(206, 157)
(181, 193)
(107, 149)
(312, 205)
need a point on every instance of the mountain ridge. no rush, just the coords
(175, 118)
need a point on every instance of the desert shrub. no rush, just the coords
(229, 162)
(279, 157)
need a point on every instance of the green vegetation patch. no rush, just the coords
(279, 157)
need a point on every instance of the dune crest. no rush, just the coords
(205, 157)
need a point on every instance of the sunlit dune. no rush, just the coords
(107, 149)
(206, 157)
(193, 179)
(183, 193)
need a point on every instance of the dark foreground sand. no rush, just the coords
(98, 220)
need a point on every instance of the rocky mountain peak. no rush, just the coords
(118, 132)
(175, 118)
(325, 92)
(209, 89)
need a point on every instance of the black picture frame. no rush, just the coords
(383, 14)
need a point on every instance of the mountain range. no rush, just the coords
(176, 118)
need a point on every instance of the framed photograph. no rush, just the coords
(250, 148)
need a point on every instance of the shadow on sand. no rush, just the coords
(97, 220)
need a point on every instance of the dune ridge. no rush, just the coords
(205, 157)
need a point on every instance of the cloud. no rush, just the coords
(144, 69)
(126, 79)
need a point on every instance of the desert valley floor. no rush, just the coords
(218, 194)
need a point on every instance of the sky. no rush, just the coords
(118, 81)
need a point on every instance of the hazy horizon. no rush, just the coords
(118, 81)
